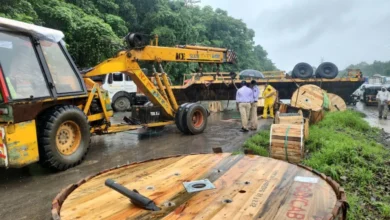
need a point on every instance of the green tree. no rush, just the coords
(93, 29)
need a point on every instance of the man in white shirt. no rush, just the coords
(244, 98)
(383, 98)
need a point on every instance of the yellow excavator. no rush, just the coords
(48, 110)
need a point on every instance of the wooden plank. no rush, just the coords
(182, 197)
(271, 208)
(206, 202)
(281, 119)
(258, 176)
(167, 184)
(282, 154)
(306, 200)
(290, 139)
(258, 199)
(306, 129)
(291, 144)
(291, 133)
(114, 203)
(84, 194)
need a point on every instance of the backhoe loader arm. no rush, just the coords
(184, 54)
(127, 62)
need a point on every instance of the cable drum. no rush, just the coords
(310, 97)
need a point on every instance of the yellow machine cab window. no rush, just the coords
(64, 76)
(22, 73)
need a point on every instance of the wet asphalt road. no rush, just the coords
(27, 193)
(372, 116)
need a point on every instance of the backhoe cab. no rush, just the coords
(48, 110)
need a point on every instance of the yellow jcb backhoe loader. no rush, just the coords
(48, 110)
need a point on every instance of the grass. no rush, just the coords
(258, 143)
(346, 148)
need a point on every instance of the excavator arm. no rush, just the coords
(127, 62)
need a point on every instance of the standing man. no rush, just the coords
(256, 93)
(269, 96)
(244, 98)
(383, 99)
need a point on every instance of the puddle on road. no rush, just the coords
(372, 116)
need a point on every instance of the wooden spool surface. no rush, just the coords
(283, 118)
(294, 145)
(306, 129)
(336, 103)
(283, 108)
(317, 116)
(246, 187)
(309, 97)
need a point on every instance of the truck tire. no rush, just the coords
(183, 118)
(63, 137)
(179, 116)
(302, 71)
(327, 70)
(196, 119)
(121, 102)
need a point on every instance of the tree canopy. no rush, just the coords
(94, 28)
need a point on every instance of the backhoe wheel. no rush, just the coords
(63, 137)
(196, 119)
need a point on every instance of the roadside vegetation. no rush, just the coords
(94, 28)
(346, 148)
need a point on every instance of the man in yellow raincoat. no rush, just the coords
(269, 96)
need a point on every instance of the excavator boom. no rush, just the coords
(127, 62)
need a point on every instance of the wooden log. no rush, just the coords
(286, 140)
(246, 187)
(336, 103)
(309, 97)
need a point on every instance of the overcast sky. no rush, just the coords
(340, 31)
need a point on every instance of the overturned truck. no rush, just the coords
(223, 86)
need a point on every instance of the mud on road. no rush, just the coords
(27, 193)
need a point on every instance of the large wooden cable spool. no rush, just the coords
(336, 103)
(295, 119)
(245, 187)
(309, 97)
(287, 142)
